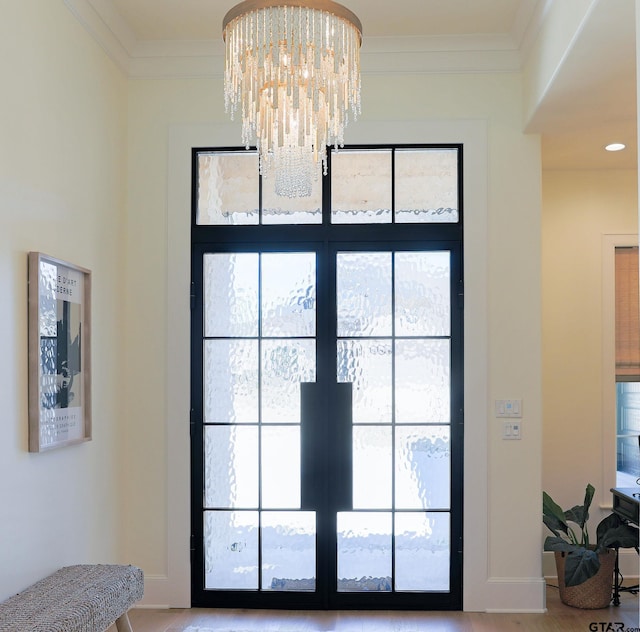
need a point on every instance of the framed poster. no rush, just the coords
(59, 353)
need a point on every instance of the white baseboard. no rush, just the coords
(516, 594)
(504, 594)
(161, 593)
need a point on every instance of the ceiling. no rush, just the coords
(202, 19)
(591, 101)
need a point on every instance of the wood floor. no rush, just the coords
(558, 618)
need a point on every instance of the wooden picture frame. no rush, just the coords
(59, 314)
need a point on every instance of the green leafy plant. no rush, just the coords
(582, 560)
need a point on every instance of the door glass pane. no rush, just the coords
(289, 550)
(422, 546)
(372, 467)
(289, 294)
(280, 467)
(228, 188)
(360, 187)
(231, 381)
(278, 209)
(423, 467)
(364, 293)
(231, 550)
(285, 363)
(231, 295)
(426, 185)
(231, 466)
(364, 552)
(422, 293)
(423, 381)
(367, 365)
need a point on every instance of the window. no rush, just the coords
(627, 358)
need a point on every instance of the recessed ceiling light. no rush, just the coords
(615, 147)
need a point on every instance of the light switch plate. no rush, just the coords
(511, 430)
(509, 408)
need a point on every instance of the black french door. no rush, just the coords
(326, 410)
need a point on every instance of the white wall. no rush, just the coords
(580, 209)
(68, 134)
(62, 143)
(165, 117)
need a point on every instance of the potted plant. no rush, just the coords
(585, 567)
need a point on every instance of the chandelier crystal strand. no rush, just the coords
(292, 70)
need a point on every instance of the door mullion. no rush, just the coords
(393, 418)
(260, 394)
(326, 376)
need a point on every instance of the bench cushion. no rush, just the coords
(83, 598)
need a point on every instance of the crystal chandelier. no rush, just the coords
(292, 69)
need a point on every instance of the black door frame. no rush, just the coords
(325, 238)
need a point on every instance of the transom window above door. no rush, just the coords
(365, 186)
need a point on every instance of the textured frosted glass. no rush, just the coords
(47, 295)
(289, 551)
(285, 363)
(280, 467)
(423, 467)
(372, 467)
(289, 294)
(231, 550)
(277, 209)
(423, 381)
(228, 188)
(364, 293)
(49, 386)
(230, 381)
(231, 467)
(364, 552)
(360, 187)
(423, 546)
(367, 365)
(231, 295)
(423, 295)
(426, 185)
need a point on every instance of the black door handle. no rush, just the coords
(326, 446)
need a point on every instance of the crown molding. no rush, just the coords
(411, 55)
(528, 24)
(107, 29)
(408, 55)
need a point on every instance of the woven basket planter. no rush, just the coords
(596, 591)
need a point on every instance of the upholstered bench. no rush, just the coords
(84, 598)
